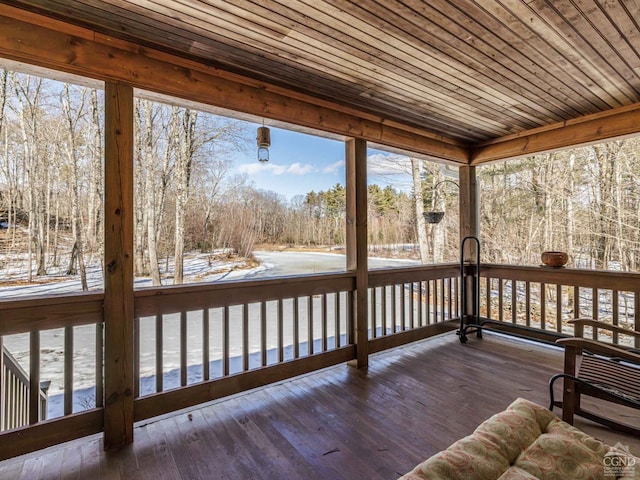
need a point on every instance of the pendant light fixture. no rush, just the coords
(263, 140)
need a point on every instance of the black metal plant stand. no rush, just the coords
(470, 322)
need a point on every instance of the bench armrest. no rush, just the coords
(600, 348)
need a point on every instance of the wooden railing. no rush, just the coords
(15, 394)
(196, 343)
(34, 318)
(408, 303)
(229, 337)
(539, 301)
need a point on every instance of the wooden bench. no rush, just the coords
(598, 369)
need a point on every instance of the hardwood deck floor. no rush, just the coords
(339, 423)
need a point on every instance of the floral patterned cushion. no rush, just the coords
(526, 441)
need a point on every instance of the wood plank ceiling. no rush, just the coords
(469, 70)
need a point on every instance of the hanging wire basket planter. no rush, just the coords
(433, 217)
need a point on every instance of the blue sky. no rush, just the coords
(299, 163)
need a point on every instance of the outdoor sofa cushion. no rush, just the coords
(527, 441)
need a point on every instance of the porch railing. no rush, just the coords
(196, 343)
(15, 394)
(539, 301)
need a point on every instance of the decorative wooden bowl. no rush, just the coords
(554, 259)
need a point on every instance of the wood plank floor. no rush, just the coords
(339, 423)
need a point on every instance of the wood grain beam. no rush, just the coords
(45, 42)
(118, 260)
(599, 127)
(357, 246)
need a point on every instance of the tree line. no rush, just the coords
(187, 198)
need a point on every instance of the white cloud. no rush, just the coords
(275, 169)
(298, 169)
(334, 167)
(388, 164)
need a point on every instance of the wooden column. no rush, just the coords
(469, 226)
(356, 173)
(118, 260)
(2, 385)
(469, 203)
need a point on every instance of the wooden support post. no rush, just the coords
(469, 226)
(469, 206)
(118, 259)
(2, 386)
(356, 172)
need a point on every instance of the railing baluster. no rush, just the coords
(310, 349)
(456, 290)
(350, 319)
(245, 337)
(427, 303)
(595, 301)
(159, 353)
(420, 305)
(636, 316)
(577, 307)
(206, 374)
(488, 292)
(296, 328)
(514, 302)
(403, 308)
(183, 348)
(99, 364)
(280, 331)
(372, 312)
(136, 357)
(615, 299)
(383, 311)
(263, 333)
(435, 301)
(411, 307)
(442, 304)
(324, 322)
(393, 308)
(337, 342)
(225, 341)
(450, 298)
(500, 300)
(559, 308)
(543, 306)
(527, 303)
(68, 371)
(34, 377)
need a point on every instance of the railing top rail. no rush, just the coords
(392, 276)
(620, 281)
(50, 311)
(155, 301)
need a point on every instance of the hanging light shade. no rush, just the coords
(263, 140)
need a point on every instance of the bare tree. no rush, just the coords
(28, 92)
(72, 118)
(419, 202)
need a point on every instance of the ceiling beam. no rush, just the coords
(45, 42)
(599, 127)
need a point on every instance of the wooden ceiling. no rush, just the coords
(493, 76)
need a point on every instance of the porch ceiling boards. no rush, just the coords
(502, 78)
